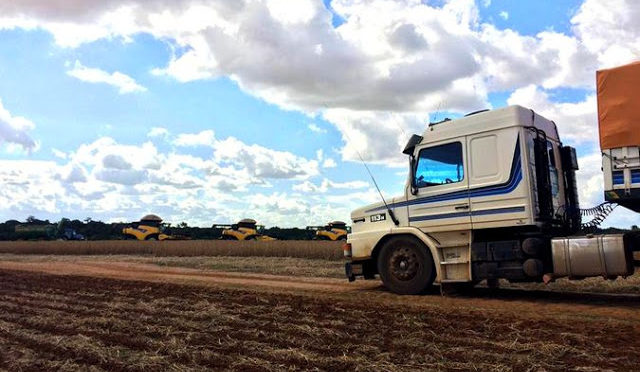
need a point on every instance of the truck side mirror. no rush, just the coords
(408, 150)
(411, 144)
(412, 175)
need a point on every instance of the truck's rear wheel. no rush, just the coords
(405, 266)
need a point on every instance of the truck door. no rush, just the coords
(442, 200)
(497, 192)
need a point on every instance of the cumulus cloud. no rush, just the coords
(14, 130)
(386, 58)
(316, 129)
(124, 83)
(376, 136)
(158, 132)
(107, 178)
(609, 30)
(204, 138)
(327, 185)
(576, 122)
(329, 163)
(375, 78)
(263, 162)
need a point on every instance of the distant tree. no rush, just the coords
(635, 227)
(182, 225)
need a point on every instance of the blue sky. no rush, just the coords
(208, 113)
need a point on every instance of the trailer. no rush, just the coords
(493, 195)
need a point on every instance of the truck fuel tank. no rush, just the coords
(600, 255)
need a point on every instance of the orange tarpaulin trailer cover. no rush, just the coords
(619, 106)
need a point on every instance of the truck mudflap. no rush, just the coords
(608, 256)
(365, 269)
(351, 270)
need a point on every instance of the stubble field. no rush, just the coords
(133, 313)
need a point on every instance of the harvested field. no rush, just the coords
(109, 315)
(311, 267)
(184, 248)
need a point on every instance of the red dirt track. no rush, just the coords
(103, 315)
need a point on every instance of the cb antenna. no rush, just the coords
(435, 115)
(391, 214)
(389, 210)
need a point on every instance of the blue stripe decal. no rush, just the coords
(618, 177)
(635, 176)
(515, 176)
(484, 212)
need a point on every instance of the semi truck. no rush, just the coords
(493, 195)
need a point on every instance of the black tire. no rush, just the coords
(152, 237)
(342, 237)
(406, 266)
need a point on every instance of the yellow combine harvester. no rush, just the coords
(334, 230)
(245, 229)
(150, 227)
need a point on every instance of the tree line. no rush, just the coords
(98, 230)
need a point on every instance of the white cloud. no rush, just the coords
(375, 136)
(504, 15)
(576, 122)
(610, 30)
(59, 154)
(329, 163)
(328, 185)
(204, 138)
(375, 78)
(316, 129)
(106, 178)
(263, 162)
(124, 83)
(387, 57)
(14, 130)
(292, 12)
(158, 132)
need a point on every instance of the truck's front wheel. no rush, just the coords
(405, 266)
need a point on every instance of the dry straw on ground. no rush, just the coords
(184, 248)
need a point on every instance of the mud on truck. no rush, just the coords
(493, 195)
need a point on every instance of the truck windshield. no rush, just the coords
(439, 165)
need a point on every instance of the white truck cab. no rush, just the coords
(485, 198)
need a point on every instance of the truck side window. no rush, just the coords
(439, 165)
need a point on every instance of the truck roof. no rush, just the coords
(510, 116)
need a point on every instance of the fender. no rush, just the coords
(368, 247)
(428, 242)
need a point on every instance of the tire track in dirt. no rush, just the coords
(536, 303)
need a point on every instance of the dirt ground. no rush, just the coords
(111, 315)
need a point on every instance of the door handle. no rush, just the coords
(459, 207)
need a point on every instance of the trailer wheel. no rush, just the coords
(405, 266)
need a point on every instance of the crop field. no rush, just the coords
(277, 248)
(131, 313)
